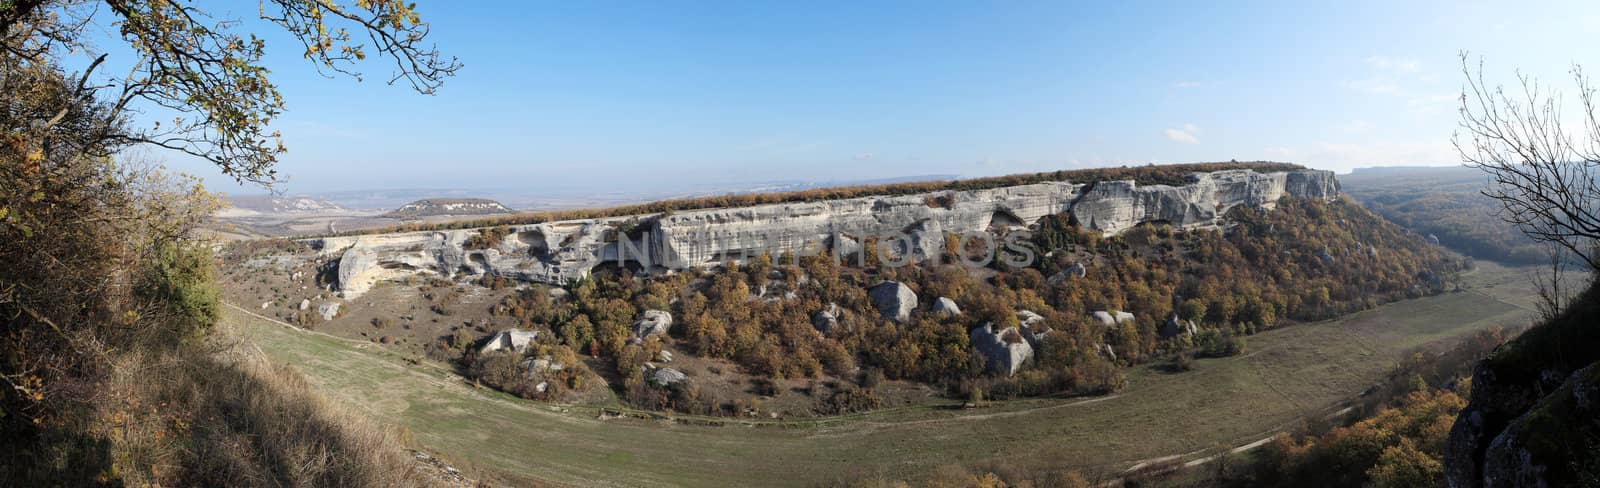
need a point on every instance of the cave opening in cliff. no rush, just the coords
(538, 245)
(1003, 219)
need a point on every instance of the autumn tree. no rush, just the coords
(102, 264)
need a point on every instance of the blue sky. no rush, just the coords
(653, 95)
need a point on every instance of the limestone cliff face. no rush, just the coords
(557, 252)
(1115, 206)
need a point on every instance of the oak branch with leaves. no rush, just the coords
(207, 73)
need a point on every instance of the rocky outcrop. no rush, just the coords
(1115, 206)
(1534, 415)
(945, 306)
(328, 311)
(1004, 352)
(1109, 319)
(667, 377)
(894, 300)
(826, 319)
(653, 322)
(515, 340)
(558, 252)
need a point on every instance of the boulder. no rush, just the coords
(558, 293)
(1027, 318)
(328, 310)
(515, 340)
(1109, 319)
(667, 377)
(827, 319)
(664, 356)
(945, 306)
(894, 300)
(653, 322)
(1433, 239)
(264, 305)
(305, 303)
(1004, 351)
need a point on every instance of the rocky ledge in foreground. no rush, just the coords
(1534, 414)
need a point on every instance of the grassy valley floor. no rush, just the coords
(1285, 375)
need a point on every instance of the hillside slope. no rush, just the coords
(1447, 203)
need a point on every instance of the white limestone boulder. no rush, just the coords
(894, 300)
(653, 322)
(1109, 319)
(1004, 351)
(514, 340)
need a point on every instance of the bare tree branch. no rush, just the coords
(1543, 176)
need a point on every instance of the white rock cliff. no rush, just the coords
(557, 252)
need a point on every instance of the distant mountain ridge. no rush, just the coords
(431, 207)
(281, 204)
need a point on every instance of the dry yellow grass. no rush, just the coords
(225, 416)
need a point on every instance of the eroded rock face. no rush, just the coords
(1553, 444)
(1004, 351)
(1115, 206)
(558, 252)
(894, 300)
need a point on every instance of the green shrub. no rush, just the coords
(181, 280)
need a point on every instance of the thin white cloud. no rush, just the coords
(1185, 135)
(1186, 84)
(1378, 85)
(1355, 126)
(1388, 76)
(1429, 103)
(1386, 63)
